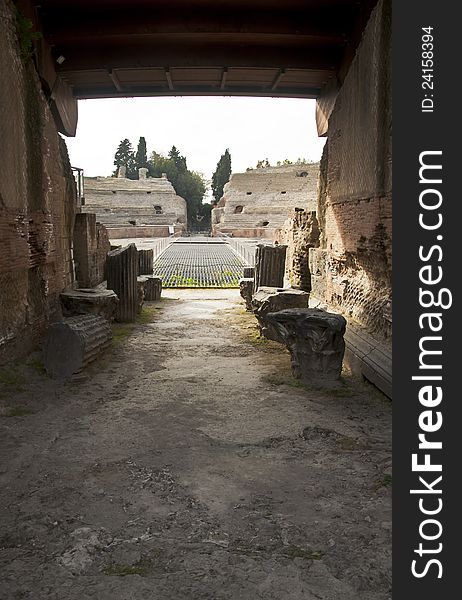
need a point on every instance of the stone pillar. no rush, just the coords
(84, 244)
(270, 264)
(246, 291)
(145, 261)
(122, 273)
(70, 345)
(152, 288)
(315, 341)
(142, 173)
(122, 172)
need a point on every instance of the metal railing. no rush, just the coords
(160, 245)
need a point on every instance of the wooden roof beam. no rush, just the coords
(224, 75)
(115, 80)
(278, 78)
(168, 77)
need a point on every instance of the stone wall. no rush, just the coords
(37, 201)
(299, 234)
(120, 202)
(353, 264)
(256, 203)
(91, 245)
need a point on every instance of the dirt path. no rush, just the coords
(187, 464)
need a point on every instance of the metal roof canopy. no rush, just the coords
(111, 48)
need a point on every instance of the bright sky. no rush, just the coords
(200, 127)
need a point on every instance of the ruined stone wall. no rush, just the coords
(121, 202)
(256, 203)
(37, 201)
(352, 268)
(299, 234)
(91, 245)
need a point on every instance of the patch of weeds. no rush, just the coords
(124, 570)
(348, 443)
(11, 381)
(256, 338)
(287, 379)
(146, 315)
(386, 481)
(297, 552)
(120, 333)
(10, 376)
(18, 411)
(37, 365)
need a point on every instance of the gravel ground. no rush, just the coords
(188, 464)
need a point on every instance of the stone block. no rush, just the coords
(145, 261)
(270, 264)
(84, 301)
(152, 288)
(315, 340)
(270, 300)
(246, 291)
(71, 344)
(122, 273)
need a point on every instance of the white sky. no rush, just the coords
(200, 127)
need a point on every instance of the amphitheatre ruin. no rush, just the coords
(196, 415)
(149, 204)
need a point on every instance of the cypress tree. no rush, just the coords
(221, 175)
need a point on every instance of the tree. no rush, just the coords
(221, 175)
(190, 185)
(124, 157)
(180, 161)
(141, 158)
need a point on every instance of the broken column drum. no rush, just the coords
(84, 301)
(314, 338)
(145, 261)
(246, 291)
(122, 273)
(152, 288)
(269, 300)
(270, 264)
(71, 344)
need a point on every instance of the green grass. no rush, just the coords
(124, 570)
(9, 376)
(37, 365)
(18, 411)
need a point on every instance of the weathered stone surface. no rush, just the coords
(246, 291)
(300, 233)
(91, 245)
(84, 301)
(122, 273)
(152, 288)
(314, 338)
(256, 203)
(140, 287)
(145, 261)
(38, 200)
(121, 203)
(269, 265)
(71, 344)
(270, 300)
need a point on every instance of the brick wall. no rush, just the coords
(37, 201)
(353, 265)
